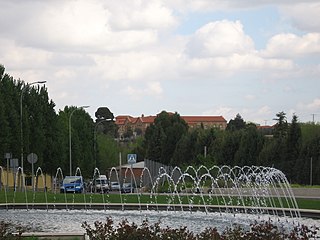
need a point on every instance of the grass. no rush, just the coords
(304, 186)
(195, 199)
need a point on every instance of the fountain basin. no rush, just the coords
(63, 221)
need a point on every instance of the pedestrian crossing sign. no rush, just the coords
(132, 158)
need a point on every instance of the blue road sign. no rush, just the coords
(132, 158)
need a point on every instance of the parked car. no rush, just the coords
(101, 184)
(127, 188)
(115, 186)
(72, 184)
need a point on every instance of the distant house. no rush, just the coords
(138, 125)
(266, 130)
(206, 121)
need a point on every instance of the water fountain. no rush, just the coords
(216, 196)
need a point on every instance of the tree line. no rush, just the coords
(290, 146)
(30, 124)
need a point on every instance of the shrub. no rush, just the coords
(10, 231)
(259, 230)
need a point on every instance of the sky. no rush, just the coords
(193, 57)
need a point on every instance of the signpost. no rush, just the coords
(8, 156)
(32, 158)
(14, 164)
(132, 159)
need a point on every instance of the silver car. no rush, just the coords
(115, 186)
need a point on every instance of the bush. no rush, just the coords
(10, 231)
(259, 230)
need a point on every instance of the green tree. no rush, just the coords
(310, 152)
(293, 147)
(108, 153)
(281, 127)
(229, 146)
(185, 152)
(251, 144)
(154, 138)
(82, 147)
(105, 118)
(236, 124)
(162, 137)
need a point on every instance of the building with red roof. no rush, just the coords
(138, 125)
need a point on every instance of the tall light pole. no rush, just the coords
(70, 158)
(21, 129)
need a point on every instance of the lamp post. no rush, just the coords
(70, 158)
(21, 130)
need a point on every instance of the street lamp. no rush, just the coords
(21, 131)
(70, 159)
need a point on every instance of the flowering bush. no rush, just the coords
(259, 230)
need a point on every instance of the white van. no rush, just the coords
(101, 184)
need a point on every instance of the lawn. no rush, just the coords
(194, 199)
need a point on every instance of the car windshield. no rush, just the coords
(72, 180)
(101, 181)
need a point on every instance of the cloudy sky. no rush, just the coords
(194, 57)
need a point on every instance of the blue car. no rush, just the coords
(72, 184)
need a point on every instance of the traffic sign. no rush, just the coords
(32, 158)
(132, 158)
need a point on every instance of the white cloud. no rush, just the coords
(265, 110)
(103, 49)
(154, 88)
(214, 5)
(150, 89)
(303, 15)
(288, 45)
(138, 14)
(225, 111)
(86, 26)
(137, 66)
(220, 38)
(222, 48)
(250, 97)
(314, 105)
(260, 115)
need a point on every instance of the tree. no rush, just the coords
(293, 147)
(103, 113)
(236, 124)
(185, 152)
(82, 151)
(230, 143)
(162, 137)
(250, 146)
(105, 118)
(281, 127)
(310, 151)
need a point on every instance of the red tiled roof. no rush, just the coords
(148, 119)
(121, 120)
(197, 119)
(265, 127)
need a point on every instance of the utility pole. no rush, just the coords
(313, 114)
